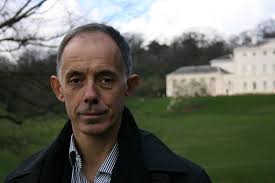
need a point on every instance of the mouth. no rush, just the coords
(95, 115)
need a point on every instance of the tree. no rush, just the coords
(22, 24)
(267, 28)
(11, 33)
(25, 92)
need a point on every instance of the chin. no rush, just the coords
(99, 129)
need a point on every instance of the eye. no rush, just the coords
(75, 80)
(107, 80)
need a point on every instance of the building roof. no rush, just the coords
(259, 43)
(225, 58)
(201, 69)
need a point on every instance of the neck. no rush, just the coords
(94, 149)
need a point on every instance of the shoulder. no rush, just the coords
(30, 166)
(159, 158)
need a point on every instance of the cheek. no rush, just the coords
(114, 98)
(72, 101)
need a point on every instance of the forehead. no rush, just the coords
(93, 48)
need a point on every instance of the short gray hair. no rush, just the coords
(93, 27)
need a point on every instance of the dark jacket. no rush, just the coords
(163, 166)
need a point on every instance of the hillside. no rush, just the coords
(231, 137)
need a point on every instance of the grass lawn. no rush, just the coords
(231, 137)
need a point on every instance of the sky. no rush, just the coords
(160, 20)
(165, 19)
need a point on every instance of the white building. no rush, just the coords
(250, 70)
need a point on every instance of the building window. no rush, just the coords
(244, 86)
(174, 83)
(253, 69)
(254, 53)
(273, 85)
(229, 87)
(273, 51)
(244, 69)
(264, 85)
(254, 85)
(264, 52)
(264, 68)
(212, 84)
(244, 54)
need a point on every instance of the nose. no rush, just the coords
(90, 94)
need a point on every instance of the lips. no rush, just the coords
(94, 115)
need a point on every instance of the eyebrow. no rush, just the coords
(106, 72)
(72, 73)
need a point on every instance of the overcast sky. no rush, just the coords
(158, 19)
(164, 19)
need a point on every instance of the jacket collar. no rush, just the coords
(44, 161)
(158, 157)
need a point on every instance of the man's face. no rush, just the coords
(92, 83)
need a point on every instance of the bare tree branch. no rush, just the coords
(17, 47)
(22, 8)
(29, 40)
(15, 34)
(42, 45)
(3, 5)
(19, 15)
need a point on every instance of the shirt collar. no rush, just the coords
(107, 165)
(72, 151)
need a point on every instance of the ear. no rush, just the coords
(56, 87)
(132, 83)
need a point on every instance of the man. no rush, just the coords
(101, 142)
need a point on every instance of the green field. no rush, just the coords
(233, 138)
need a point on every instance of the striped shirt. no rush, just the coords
(103, 175)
